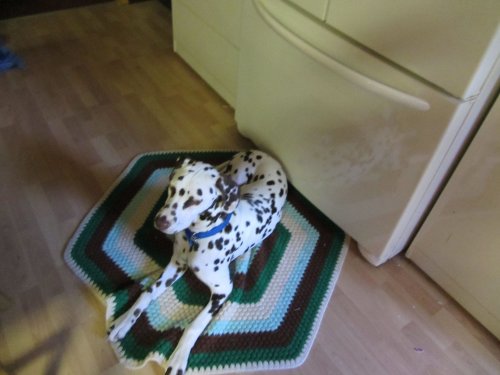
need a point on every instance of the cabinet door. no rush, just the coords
(459, 244)
(206, 36)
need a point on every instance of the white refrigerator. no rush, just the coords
(364, 134)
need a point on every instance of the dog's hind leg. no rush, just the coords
(122, 325)
(220, 286)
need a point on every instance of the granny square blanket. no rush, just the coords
(281, 287)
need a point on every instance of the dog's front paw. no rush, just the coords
(120, 328)
(177, 363)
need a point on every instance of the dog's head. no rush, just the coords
(196, 192)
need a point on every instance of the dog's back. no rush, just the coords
(263, 190)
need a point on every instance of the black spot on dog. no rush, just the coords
(270, 183)
(182, 192)
(228, 228)
(191, 202)
(218, 244)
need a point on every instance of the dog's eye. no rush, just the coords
(191, 202)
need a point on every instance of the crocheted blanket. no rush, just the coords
(281, 288)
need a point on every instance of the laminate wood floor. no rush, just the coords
(101, 85)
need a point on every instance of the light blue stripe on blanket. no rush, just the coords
(117, 246)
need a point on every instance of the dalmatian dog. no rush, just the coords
(215, 214)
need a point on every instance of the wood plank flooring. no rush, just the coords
(101, 85)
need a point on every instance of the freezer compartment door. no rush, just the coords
(355, 152)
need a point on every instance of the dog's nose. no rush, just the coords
(161, 222)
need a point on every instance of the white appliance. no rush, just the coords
(364, 138)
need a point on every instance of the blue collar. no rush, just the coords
(191, 237)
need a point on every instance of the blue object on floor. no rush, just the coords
(9, 60)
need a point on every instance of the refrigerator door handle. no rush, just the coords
(338, 67)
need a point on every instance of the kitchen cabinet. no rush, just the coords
(459, 243)
(206, 36)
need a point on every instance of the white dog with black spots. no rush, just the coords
(216, 215)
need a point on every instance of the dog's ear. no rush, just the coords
(230, 192)
(179, 162)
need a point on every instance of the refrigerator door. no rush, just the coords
(354, 134)
(446, 42)
(459, 244)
